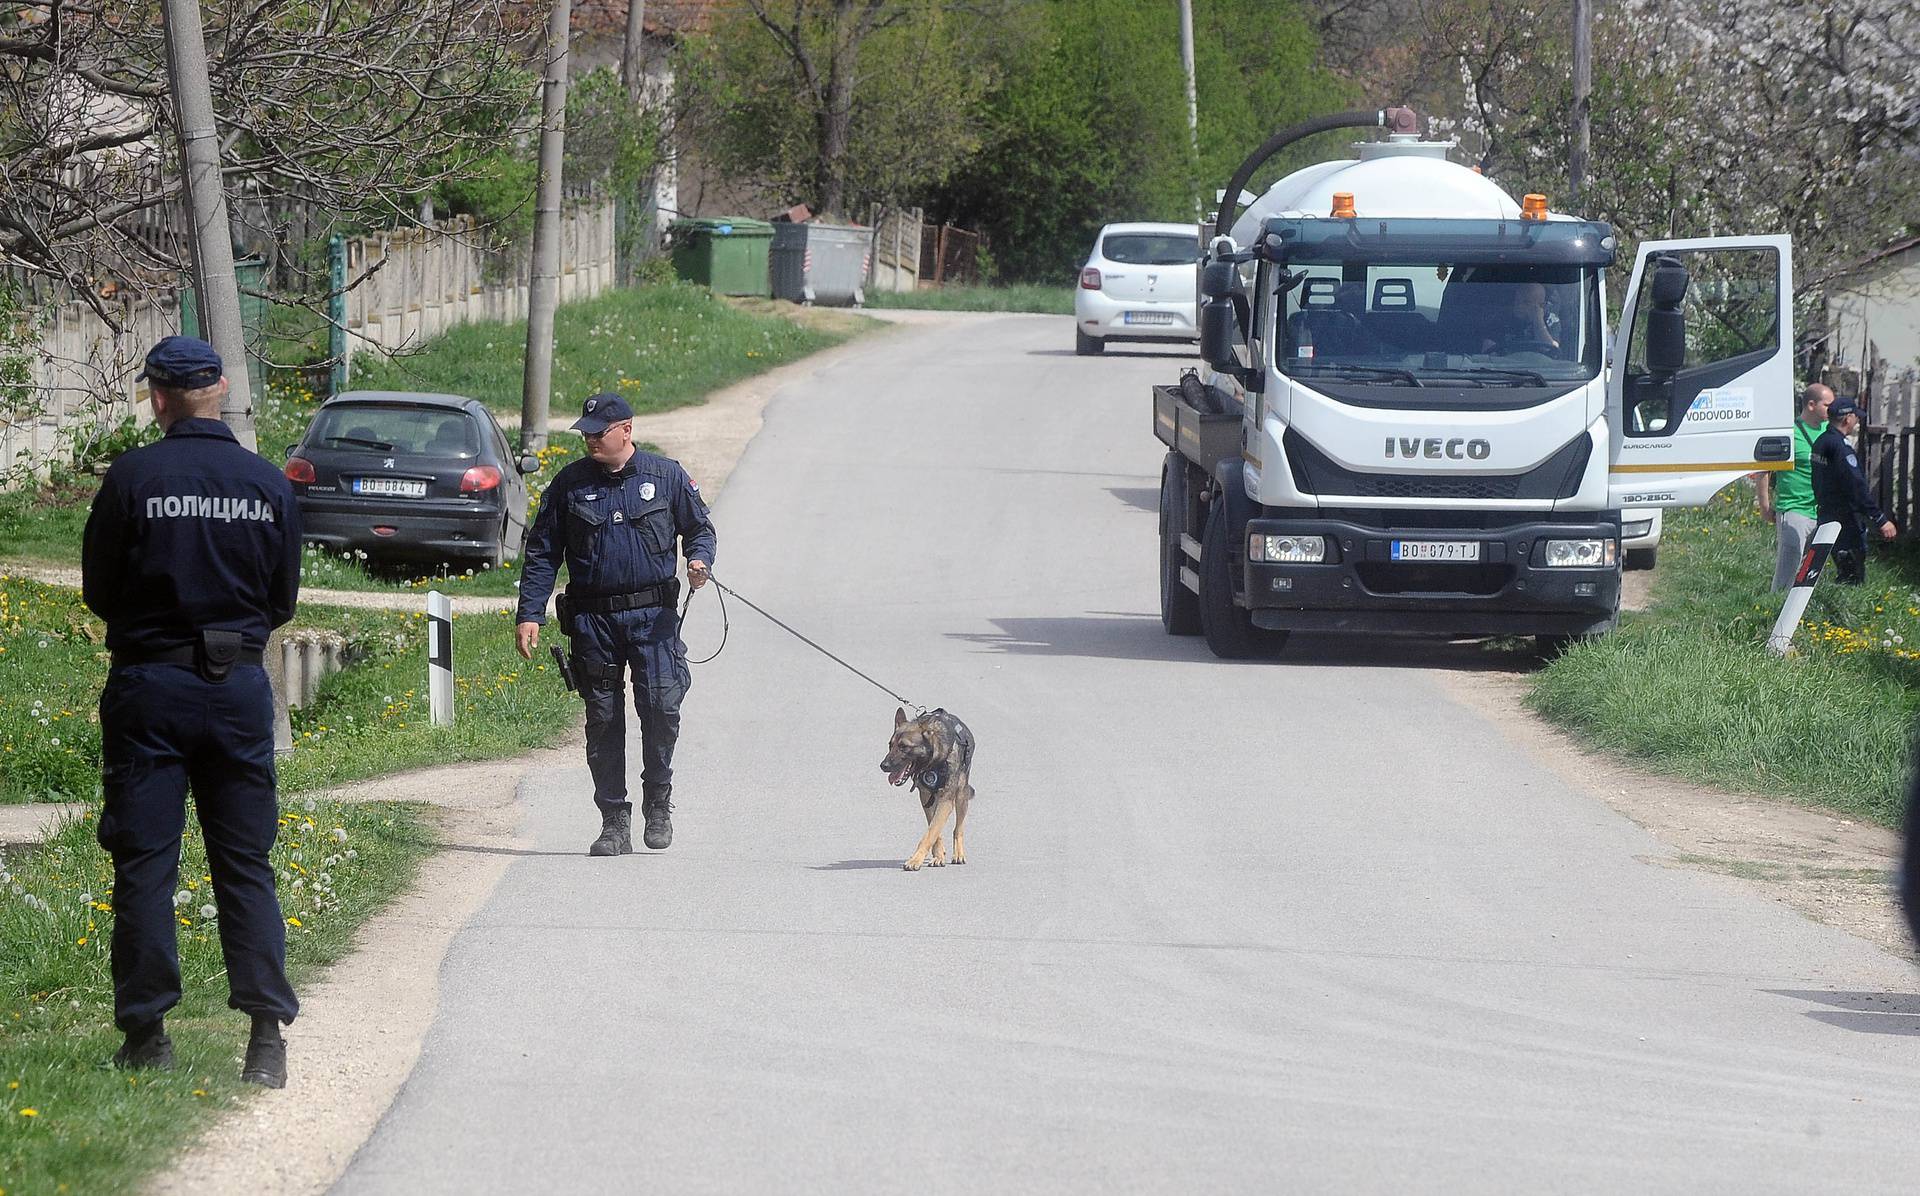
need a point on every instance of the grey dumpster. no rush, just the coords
(820, 263)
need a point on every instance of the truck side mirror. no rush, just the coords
(1218, 280)
(1667, 322)
(1219, 333)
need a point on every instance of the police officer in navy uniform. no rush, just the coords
(1841, 493)
(614, 518)
(191, 556)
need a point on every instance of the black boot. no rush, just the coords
(656, 807)
(616, 832)
(145, 1048)
(266, 1063)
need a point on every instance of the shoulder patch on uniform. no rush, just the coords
(1852, 460)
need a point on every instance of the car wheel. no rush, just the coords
(1179, 606)
(1087, 346)
(496, 556)
(1229, 629)
(1547, 647)
(1643, 558)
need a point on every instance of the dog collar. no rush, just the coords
(934, 778)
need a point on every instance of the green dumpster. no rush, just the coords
(251, 273)
(726, 254)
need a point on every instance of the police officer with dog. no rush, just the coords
(1842, 495)
(192, 556)
(613, 518)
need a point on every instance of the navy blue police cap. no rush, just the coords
(1840, 407)
(602, 412)
(183, 363)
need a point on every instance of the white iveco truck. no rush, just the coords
(1416, 418)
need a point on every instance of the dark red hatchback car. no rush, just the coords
(417, 477)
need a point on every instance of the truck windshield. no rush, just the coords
(1439, 323)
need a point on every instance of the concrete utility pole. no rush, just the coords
(629, 208)
(1582, 102)
(543, 295)
(216, 289)
(1193, 95)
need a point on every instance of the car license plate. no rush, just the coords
(1149, 317)
(1436, 550)
(391, 487)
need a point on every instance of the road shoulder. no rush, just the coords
(1832, 869)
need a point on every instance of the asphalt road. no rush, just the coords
(1303, 925)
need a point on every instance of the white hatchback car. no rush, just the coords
(1139, 285)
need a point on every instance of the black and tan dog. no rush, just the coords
(936, 751)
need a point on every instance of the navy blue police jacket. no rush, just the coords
(189, 534)
(1840, 488)
(614, 529)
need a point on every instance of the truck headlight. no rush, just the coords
(1297, 550)
(1636, 529)
(1580, 554)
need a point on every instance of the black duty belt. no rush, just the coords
(123, 657)
(666, 593)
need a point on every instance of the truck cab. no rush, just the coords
(1417, 420)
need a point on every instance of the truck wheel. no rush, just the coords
(1643, 558)
(1087, 346)
(1229, 629)
(1179, 606)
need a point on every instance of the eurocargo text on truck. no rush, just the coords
(1416, 419)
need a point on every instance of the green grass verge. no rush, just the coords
(67, 1124)
(660, 347)
(368, 719)
(1687, 687)
(1057, 301)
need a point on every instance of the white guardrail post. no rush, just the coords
(440, 658)
(1796, 605)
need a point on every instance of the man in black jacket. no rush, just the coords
(191, 556)
(1841, 493)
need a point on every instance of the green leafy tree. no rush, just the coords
(1090, 123)
(839, 103)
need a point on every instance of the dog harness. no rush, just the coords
(936, 778)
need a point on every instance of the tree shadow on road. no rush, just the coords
(1118, 351)
(1121, 635)
(1861, 1012)
(476, 849)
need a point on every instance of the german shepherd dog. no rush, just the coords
(936, 751)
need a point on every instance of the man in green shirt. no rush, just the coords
(1786, 496)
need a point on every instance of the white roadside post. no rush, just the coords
(1796, 605)
(440, 658)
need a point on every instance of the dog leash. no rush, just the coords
(725, 590)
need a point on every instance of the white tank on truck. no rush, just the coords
(1415, 417)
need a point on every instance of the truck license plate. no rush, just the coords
(1149, 317)
(1436, 550)
(396, 487)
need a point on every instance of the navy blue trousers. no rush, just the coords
(163, 730)
(1850, 553)
(647, 642)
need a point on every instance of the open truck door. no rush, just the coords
(1700, 389)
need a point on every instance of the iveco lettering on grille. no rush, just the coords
(1437, 447)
